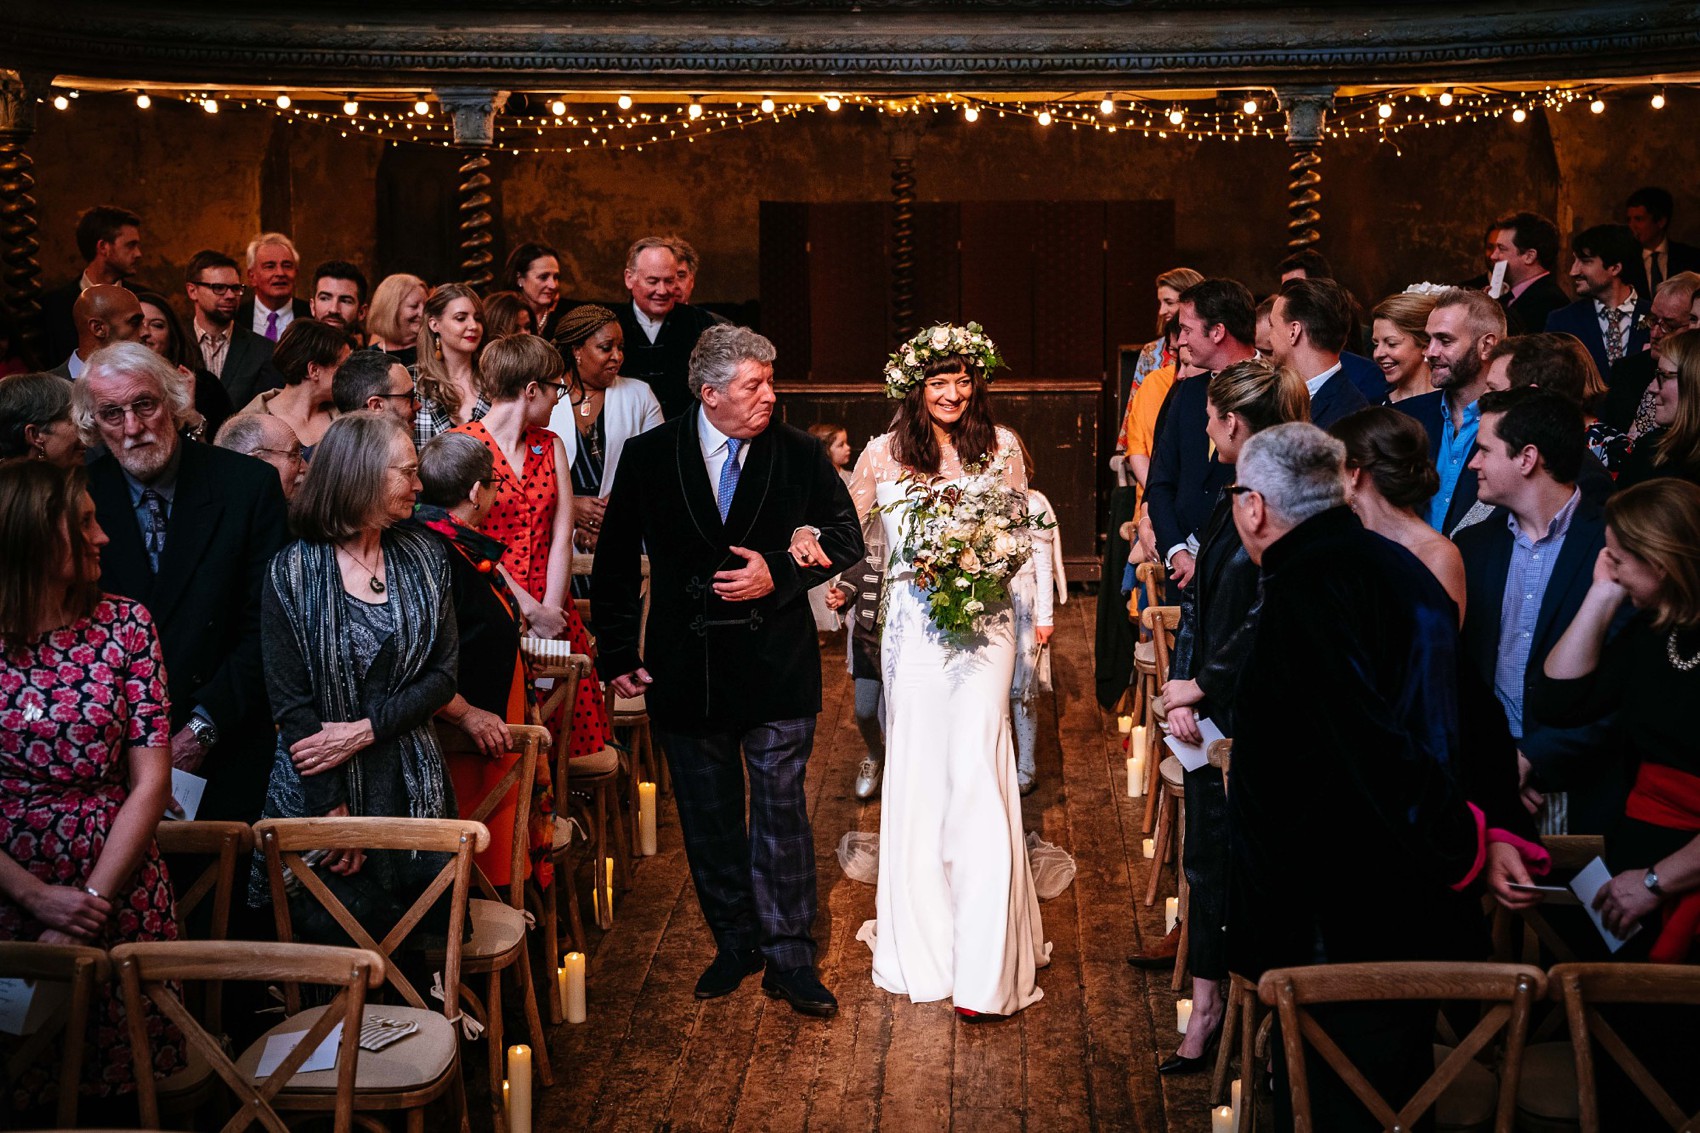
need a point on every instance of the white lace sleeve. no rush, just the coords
(1016, 468)
(874, 467)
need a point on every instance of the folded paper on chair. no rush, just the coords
(278, 1047)
(543, 649)
(1194, 756)
(27, 1005)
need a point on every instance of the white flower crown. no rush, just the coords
(907, 368)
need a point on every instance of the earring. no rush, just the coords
(41, 452)
(439, 348)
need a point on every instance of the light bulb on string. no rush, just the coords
(557, 108)
(1445, 98)
(694, 110)
(143, 101)
(283, 101)
(1044, 117)
(1659, 99)
(767, 106)
(1108, 106)
(1177, 116)
(624, 102)
(970, 114)
(209, 105)
(1519, 115)
(350, 107)
(1250, 106)
(832, 103)
(60, 102)
(422, 108)
(1384, 111)
(1598, 106)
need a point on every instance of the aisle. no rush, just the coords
(652, 1058)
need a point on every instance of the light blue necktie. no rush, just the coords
(729, 476)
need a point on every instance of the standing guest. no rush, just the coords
(109, 239)
(1560, 363)
(339, 297)
(191, 528)
(1527, 578)
(1218, 618)
(85, 757)
(505, 313)
(1399, 335)
(826, 601)
(686, 280)
(1463, 329)
(360, 655)
(739, 692)
(1160, 351)
(1608, 312)
(1306, 263)
(163, 334)
(447, 372)
(1672, 448)
(600, 413)
(1629, 406)
(104, 314)
(267, 438)
(398, 310)
(534, 271)
(1389, 481)
(1528, 245)
(272, 265)
(1647, 213)
(371, 379)
(1035, 590)
(307, 356)
(1308, 327)
(659, 331)
(1140, 419)
(35, 420)
(1264, 340)
(232, 353)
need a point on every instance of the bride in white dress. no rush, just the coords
(957, 913)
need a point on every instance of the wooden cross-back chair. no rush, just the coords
(1161, 622)
(148, 972)
(1582, 988)
(80, 968)
(1570, 853)
(564, 854)
(225, 845)
(1507, 991)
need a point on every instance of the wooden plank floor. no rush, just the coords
(652, 1058)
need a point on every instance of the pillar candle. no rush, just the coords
(519, 1089)
(1234, 1100)
(1222, 1119)
(1135, 775)
(505, 1110)
(646, 819)
(1150, 847)
(1171, 913)
(572, 987)
(1183, 1014)
(1124, 724)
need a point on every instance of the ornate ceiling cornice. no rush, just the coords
(874, 45)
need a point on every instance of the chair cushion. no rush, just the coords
(407, 1064)
(1145, 656)
(1174, 775)
(496, 929)
(563, 835)
(630, 705)
(195, 1072)
(1468, 1103)
(597, 763)
(1548, 1086)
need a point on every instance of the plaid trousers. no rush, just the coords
(756, 886)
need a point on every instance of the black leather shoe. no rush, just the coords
(1177, 1064)
(727, 972)
(802, 989)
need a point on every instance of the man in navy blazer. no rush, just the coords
(1602, 269)
(1527, 568)
(1308, 327)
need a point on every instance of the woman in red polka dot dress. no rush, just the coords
(533, 510)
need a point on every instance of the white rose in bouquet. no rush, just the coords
(968, 561)
(940, 338)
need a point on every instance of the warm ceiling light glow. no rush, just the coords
(767, 106)
(1385, 110)
(351, 107)
(283, 101)
(60, 102)
(1446, 98)
(1108, 106)
(1250, 106)
(422, 107)
(557, 108)
(971, 114)
(1519, 115)
(1598, 106)
(209, 106)
(1658, 100)
(1044, 117)
(695, 109)
(832, 102)
(624, 102)
(143, 101)
(1177, 116)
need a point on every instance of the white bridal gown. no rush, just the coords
(957, 913)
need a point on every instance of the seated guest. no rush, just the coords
(447, 371)
(371, 379)
(35, 420)
(1672, 448)
(1560, 363)
(1389, 482)
(1362, 848)
(162, 334)
(1398, 337)
(271, 306)
(109, 239)
(267, 438)
(660, 332)
(85, 759)
(601, 412)
(1527, 577)
(1308, 327)
(228, 350)
(361, 643)
(1528, 244)
(534, 271)
(1607, 315)
(1629, 405)
(191, 528)
(505, 313)
(339, 297)
(103, 315)
(1218, 618)
(307, 356)
(398, 309)
(1463, 329)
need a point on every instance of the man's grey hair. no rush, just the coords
(129, 360)
(266, 238)
(1298, 469)
(244, 433)
(719, 352)
(644, 244)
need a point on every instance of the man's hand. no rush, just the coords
(345, 863)
(487, 731)
(633, 684)
(748, 582)
(806, 549)
(330, 747)
(587, 520)
(186, 750)
(1624, 900)
(1533, 800)
(1504, 869)
(1181, 567)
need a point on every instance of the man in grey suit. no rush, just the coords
(239, 358)
(104, 314)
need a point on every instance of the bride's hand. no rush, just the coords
(806, 549)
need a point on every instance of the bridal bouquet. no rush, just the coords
(965, 540)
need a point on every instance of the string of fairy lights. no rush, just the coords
(539, 123)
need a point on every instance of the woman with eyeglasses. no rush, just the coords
(35, 420)
(1672, 448)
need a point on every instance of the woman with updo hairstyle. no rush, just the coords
(1398, 336)
(1672, 448)
(534, 270)
(1390, 478)
(398, 309)
(35, 420)
(447, 373)
(505, 313)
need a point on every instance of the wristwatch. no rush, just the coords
(1651, 880)
(206, 734)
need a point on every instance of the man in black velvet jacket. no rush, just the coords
(715, 497)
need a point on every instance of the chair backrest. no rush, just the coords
(149, 973)
(528, 742)
(1162, 622)
(1582, 987)
(1150, 576)
(223, 845)
(1510, 990)
(566, 675)
(285, 841)
(79, 967)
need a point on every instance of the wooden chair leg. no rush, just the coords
(495, 1048)
(1153, 765)
(1183, 892)
(624, 838)
(598, 867)
(1225, 1049)
(549, 916)
(1248, 1052)
(534, 1022)
(566, 889)
(1164, 830)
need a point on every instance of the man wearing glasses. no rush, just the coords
(231, 352)
(1628, 408)
(267, 437)
(371, 379)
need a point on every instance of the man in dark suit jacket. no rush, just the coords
(192, 528)
(1527, 243)
(715, 497)
(1628, 406)
(271, 306)
(1648, 213)
(1308, 327)
(1601, 270)
(660, 331)
(1527, 568)
(1365, 375)
(110, 241)
(239, 358)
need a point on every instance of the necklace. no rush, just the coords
(1682, 664)
(375, 583)
(583, 402)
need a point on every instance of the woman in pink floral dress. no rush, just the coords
(85, 758)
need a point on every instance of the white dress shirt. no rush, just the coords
(713, 443)
(649, 326)
(1316, 383)
(285, 316)
(76, 365)
(1628, 309)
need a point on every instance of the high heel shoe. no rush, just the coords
(1180, 1064)
(968, 1016)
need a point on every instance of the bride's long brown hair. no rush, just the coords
(975, 433)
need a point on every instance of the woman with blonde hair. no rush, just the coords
(1398, 337)
(1171, 285)
(1673, 448)
(398, 308)
(447, 372)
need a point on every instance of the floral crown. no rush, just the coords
(908, 366)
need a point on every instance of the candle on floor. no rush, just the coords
(1222, 1119)
(519, 1089)
(1150, 847)
(1135, 775)
(1171, 913)
(572, 987)
(505, 1109)
(1183, 1014)
(1234, 1100)
(1124, 724)
(646, 819)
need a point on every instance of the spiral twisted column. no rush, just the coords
(1307, 109)
(19, 271)
(473, 111)
(904, 139)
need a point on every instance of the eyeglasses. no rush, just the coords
(411, 394)
(292, 454)
(495, 478)
(220, 288)
(560, 388)
(1238, 489)
(145, 409)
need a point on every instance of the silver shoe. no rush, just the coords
(1025, 781)
(868, 778)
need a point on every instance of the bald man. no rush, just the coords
(104, 314)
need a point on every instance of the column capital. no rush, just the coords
(1307, 110)
(473, 111)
